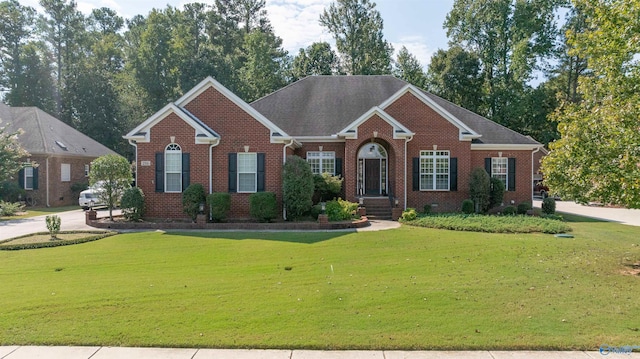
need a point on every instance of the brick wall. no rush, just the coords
(237, 130)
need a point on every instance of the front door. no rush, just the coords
(372, 177)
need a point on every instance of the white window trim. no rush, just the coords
(173, 149)
(433, 155)
(321, 155)
(255, 171)
(505, 174)
(24, 179)
(64, 178)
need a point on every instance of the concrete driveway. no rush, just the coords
(620, 215)
(69, 221)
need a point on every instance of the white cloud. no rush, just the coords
(417, 46)
(297, 22)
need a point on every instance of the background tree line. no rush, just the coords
(529, 65)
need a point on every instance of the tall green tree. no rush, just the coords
(16, 27)
(509, 37)
(597, 157)
(316, 59)
(357, 27)
(408, 68)
(455, 75)
(262, 72)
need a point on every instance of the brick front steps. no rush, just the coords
(275, 226)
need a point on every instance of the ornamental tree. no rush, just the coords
(112, 174)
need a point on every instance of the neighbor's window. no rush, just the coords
(247, 172)
(322, 162)
(65, 172)
(499, 169)
(434, 170)
(173, 168)
(28, 177)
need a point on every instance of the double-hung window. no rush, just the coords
(247, 172)
(499, 169)
(322, 162)
(434, 170)
(28, 177)
(173, 168)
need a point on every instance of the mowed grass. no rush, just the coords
(411, 288)
(39, 211)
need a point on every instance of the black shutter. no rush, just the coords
(233, 175)
(21, 178)
(453, 174)
(338, 170)
(159, 172)
(35, 178)
(511, 178)
(487, 165)
(261, 177)
(416, 173)
(186, 171)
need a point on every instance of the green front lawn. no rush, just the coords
(411, 288)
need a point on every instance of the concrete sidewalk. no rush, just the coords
(35, 352)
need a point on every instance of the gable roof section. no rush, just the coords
(399, 131)
(318, 106)
(210, 82)
(465, 132)
(203, 134)
(44, 134)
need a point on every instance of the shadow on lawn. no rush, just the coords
(284, 236)
(569, 217)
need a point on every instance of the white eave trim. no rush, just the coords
(399, 130)
(211, 82)
(441, 111)
(311, 139)
(142, 133)
(504, 147)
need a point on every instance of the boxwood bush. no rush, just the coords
(524, 207)
(192, 197)
(263, 206)
(468, 206)
(549, 205)
(219, 204)
(132, 203)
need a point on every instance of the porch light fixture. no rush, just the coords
(246, 149)
(361, 201)
(397, 202)
(201, 207)
(323, 206)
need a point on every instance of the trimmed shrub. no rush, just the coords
(479, 189)
(327, 187)
(467, 206)
(509, 211)
(549, 205)
(298, 186)
(219, 205)
(315, 211)
(132, 204)
(78, 187)
(53, 225)
(10, 208)
(10, 191)
(524, 207)
(409, 214)
(263, 206)
(427, 208)
(341, 210)
(496, 193)
(192, 197)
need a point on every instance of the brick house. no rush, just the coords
(388, 139)
(62, 155)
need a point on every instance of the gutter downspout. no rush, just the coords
(134, 144)
(406, 140)
(532, 153)
(211, 165)
(47, 165)
(284, 160)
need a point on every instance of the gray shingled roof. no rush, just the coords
(45, 134)
(324, 105)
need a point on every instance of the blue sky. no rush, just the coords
(416, 24)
